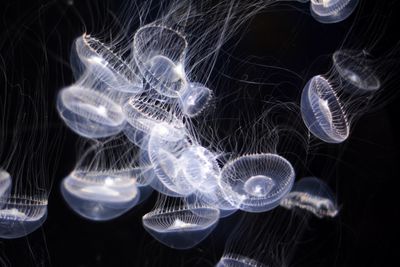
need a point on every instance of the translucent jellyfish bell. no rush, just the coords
(194, 99)
(159, 53)
(100, 196)
(313, 195)
(89, 113)
(234, 260)
(322, 112)
(257, 183)
(20, 216)
(332, 11)
(5, 184)
(181, 227)
(353, 69)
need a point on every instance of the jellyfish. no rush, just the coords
(5, 184)
(313, 195)
(89, 113)
(159, 53)
(194, 99)
(182, 226)
(100, 195)
(258, 182)
(353, 68)
(332, 11)
(322, 112)
(20, 216)
(233, 260)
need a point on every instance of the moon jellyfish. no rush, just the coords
(100, 196)
(257, 183)
(5, 184)
(181, 227)
(89, 113)
(159, 53)
(354, 70)
(322, 112)
(194, 99)
(313, 195)
(233, 260)
(20, 216)
(332, 11)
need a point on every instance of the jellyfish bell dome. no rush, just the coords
(322, 112)
(194, 99)
(181, 227)
(5, 184)
(332, 11)
(89, 113)
(234, 260)
(258, 182)
(353, 69)
(313, 195)
(100, 196)
(20, 216)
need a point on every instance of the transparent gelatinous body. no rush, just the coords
(322, 112)
(313, 195)
(5, 184)
(194, 99)
(257, 183)
(181, 228)
(100, 195)
(332, 11)
(233, 260)
(352, 68)
(89, 113)
(159, 53)
(21, 216)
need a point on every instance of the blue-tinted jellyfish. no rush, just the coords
(5, 184)
(257, 183)
(322, 112)
(313, 195)
(181, 227)
(159, 53)
(353, 68)
(332, 11)
(100, 196)
(233, 260)
(89, 113)
(194, 99)
(99, 63)
(20, 216)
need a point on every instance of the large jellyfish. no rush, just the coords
(332, 11)
(322, 112)
(233, 260)
(313, 195)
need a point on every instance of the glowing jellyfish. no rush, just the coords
(181, 227)
(20, 216)
(332, 11)
(89, 113)
(353, 69)
(257, 183)
(102, 64)
(322, 112)
(159, 53)
(233, 260)
(100, 196)
(5, 184)
(313, 195)
(194, 99)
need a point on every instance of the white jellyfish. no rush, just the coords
(322, 112)
(257, 183)
(194, 99)
(234, 260)
(332, 11)
(89, 113)
(312, 194)
(5, 184)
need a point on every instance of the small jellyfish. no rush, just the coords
(313, 195)
(159, 53)
(5, 184)
(194, 99)
(332, 11)
(234, 260)
(89, 113)
(354, 70)
(100, 196)
(181, 227)
(322, 112)
(20, 216)
(257, 183)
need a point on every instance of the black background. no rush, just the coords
(365, 178)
